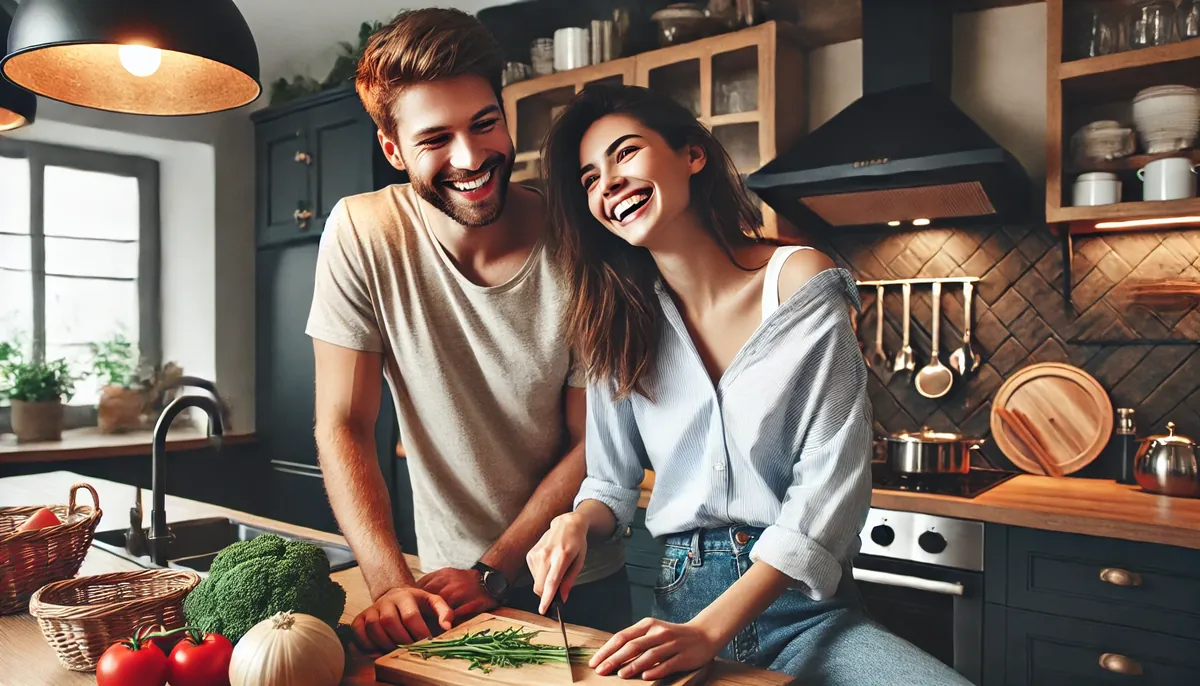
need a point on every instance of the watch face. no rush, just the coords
(494, 583)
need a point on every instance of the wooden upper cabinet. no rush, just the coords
(748, 87)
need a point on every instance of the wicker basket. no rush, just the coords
(32, 559)
(81, 618)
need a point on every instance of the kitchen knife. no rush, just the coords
(557, 605)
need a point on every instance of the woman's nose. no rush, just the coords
(613, 184)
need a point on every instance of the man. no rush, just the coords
(446, 287)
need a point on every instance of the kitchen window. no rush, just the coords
(79, 257)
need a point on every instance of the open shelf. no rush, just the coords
(1123, 74)
(1132, 163)
(1084, 218)
(736, 118)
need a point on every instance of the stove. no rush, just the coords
(967, 485)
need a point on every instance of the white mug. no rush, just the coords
(1097, 188)
(1171, 178)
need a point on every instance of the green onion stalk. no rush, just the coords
(489, 649)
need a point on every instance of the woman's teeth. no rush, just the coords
(471, 185)
(628, 205)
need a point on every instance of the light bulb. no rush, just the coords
(920, 222)
(894, 222)
(140, 60)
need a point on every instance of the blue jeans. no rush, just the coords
(828, 643)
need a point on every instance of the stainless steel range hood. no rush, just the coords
(904, 150)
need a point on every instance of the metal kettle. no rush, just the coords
(1168, 465)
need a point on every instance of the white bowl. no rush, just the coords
(1167, 117)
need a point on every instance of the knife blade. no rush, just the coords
(557, 605)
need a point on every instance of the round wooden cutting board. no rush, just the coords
(1069, 410)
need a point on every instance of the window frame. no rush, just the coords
(146, 171)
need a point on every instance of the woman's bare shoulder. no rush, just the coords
(799, 268)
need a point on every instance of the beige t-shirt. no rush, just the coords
(477, 373)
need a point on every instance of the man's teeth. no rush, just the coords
(471, 185)
(628, 203)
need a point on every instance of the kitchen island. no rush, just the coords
(27, 660)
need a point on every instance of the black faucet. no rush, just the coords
(159, 533)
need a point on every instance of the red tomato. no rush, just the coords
(124, 665)
(203, 662)
(41, 519)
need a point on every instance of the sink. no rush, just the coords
(195, 544)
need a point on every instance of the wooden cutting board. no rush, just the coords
(1070, 412)
(402, 667)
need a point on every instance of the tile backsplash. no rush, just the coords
(1020, 318)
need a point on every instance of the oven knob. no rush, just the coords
(883, 535)
(932, 542)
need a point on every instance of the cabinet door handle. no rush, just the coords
(302, 217)
(628, 531)
(1120, 577)
(303, 157)
(1119, 664)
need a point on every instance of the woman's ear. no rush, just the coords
(697, 158)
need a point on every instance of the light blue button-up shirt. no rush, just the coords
(782, 441)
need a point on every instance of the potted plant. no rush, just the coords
(36, 391)
(122, 398)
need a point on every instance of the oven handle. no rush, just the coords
(872, 576)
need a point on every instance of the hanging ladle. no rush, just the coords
(935, 379)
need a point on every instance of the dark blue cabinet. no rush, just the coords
(1068, 609)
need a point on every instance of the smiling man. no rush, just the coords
(445, 286)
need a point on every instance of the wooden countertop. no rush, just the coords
(27, 659)
(1094, 507)
(89, 443)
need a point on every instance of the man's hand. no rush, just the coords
(462, 589)
(399, 617)
(653, 649)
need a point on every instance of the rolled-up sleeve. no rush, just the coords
(826, 504)
(614, 449)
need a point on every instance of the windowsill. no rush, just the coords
(89, 443)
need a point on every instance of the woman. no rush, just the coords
(729, 364)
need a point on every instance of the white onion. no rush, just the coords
(288, 649)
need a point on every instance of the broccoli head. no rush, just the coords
(251, 580)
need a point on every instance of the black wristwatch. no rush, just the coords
(493, 581)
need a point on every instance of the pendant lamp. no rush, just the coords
(17, 106)
(157, 57)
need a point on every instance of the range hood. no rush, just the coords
(903, 151)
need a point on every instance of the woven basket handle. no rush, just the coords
(71, 500)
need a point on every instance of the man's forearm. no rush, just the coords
(553, 496)
(360, 502)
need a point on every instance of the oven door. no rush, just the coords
(937, 609)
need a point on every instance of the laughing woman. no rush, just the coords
(729, 364)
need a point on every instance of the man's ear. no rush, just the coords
(697, 158)
(390, 150)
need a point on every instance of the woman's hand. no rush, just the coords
(557, 559)
(654, 649)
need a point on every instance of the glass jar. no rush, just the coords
(1189, 19)
(1091, 29)
(541, 56)
(1148, 23)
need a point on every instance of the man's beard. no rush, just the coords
(442, 197)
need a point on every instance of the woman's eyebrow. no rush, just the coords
(612, 147)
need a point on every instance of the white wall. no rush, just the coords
(999, 78)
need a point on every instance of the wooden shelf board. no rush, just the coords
(1132, 163)
(753, 117)
(1123, 74)
(1083, 219)
(528, 156)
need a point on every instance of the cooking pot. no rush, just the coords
(930, 452)
(1167, 465)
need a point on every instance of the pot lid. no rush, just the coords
(1097, 176)
(1172, 438)
(927, 435)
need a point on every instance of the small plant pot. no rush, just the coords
(120, 409)
(37, 421)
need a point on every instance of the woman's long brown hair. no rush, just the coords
(613, 315)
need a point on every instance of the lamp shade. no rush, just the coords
(159, 57)
(17, 106)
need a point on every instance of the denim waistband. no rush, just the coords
(727, 539)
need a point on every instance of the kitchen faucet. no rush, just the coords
(159, 533)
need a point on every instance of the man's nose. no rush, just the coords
(466, 155)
